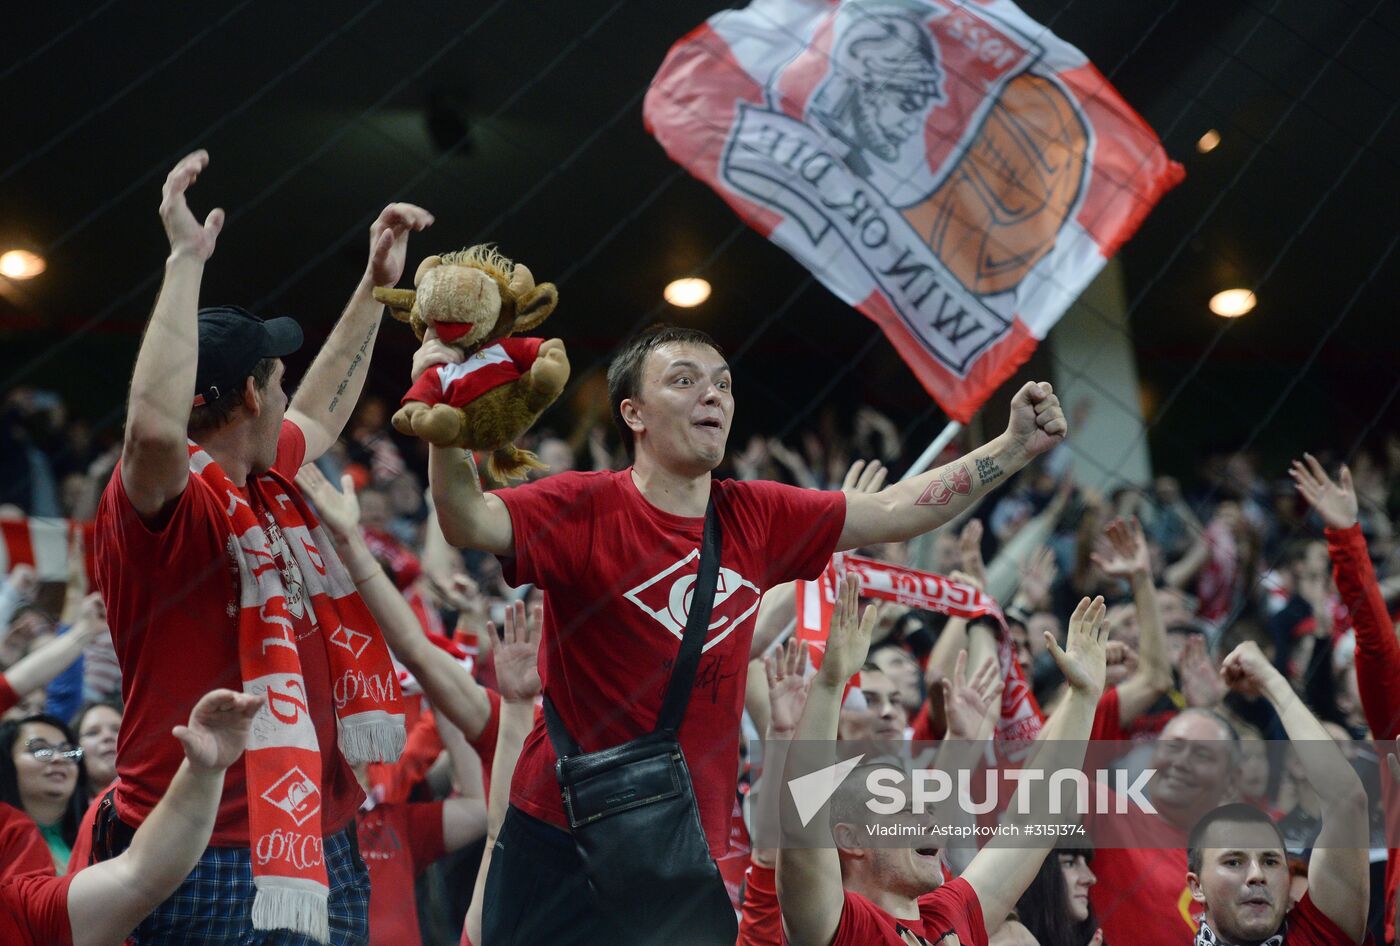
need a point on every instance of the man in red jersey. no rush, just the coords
(852, 895)
(616, 554)
(213, 574)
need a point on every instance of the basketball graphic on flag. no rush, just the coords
(1004, 203)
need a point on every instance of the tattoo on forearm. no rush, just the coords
(954, 480)
(360, 356)
(987, 470)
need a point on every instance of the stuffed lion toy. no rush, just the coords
(474, 300)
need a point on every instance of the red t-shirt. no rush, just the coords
(397, 843)
(8, 697)
(172, 602)
(489, 368)
(1309, 926)
(761, 923)
(22, 848)
(616, 572)
(949, 916)
(1141, 896)
(34, 911)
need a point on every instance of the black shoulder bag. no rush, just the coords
(632, 808)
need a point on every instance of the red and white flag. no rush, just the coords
(44, 544)
(950, 168)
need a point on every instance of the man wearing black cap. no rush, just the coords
(214, 576)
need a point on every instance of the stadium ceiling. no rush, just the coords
(520, 123)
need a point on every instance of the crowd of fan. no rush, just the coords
(1237, 556)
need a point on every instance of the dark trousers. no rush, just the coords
(537, 892)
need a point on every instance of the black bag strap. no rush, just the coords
(673, 704)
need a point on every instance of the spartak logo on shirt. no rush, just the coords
(666, 597)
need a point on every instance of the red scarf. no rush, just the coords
(286, 563)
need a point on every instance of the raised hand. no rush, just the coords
(339, 508)
(25, 581)
(188, 237)
(1247, 671)
(1335, 502)
(433, 351)
(1037, 576)
(217, 732)
(848, 641)
(518, 653)
(865, 477)
(970, 552)
(1201, 685)
(786, 670)
(1037, 422)
(967, 705)
(1124, 550)
(1084, 657)
(388, 241)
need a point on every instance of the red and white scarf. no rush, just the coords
(287, 568)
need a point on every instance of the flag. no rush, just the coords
(44, 543)
(952, 169)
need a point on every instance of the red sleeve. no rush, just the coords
(428, 388)
(1309, 926)
(799, 527)
(761, 921)
(1107, 725)
(485, 742)
(189, 534)
(954, 906)
(522, 351)
(40, 905)
(291, 450)
(423, 824)
(1377, 652)
(860, 923)
(8, 696)
(923, 724)
(22, 847)
(552, 521)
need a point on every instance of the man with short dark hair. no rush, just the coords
(216, 572)
(616, 553)
(1237, 866)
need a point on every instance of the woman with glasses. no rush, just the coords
(42, 774)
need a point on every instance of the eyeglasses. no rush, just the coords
(43, 752)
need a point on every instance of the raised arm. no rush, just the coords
(449, 687)
(517, 674)
(329, 391)
(464, 814)
(1125, 556)
(1339, 871)
(1001, 874)
(809, 879)
(155, 461)
(470, 518)
(107, 900)
(48, 660)
(922, 504)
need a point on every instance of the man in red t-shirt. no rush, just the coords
(162, 565)
(616, 554)
(1238, 870)
(99, 905)
(852, 895)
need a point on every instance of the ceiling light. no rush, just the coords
(1232, 303)
(687, 292)
(1208, 142)
(21, 264)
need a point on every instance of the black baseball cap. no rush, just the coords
(231, 343)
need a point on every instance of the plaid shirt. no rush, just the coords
(214, 906)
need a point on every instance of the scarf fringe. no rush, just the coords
(375, 736)
(299, 910)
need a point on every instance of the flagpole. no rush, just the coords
(934, 449)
